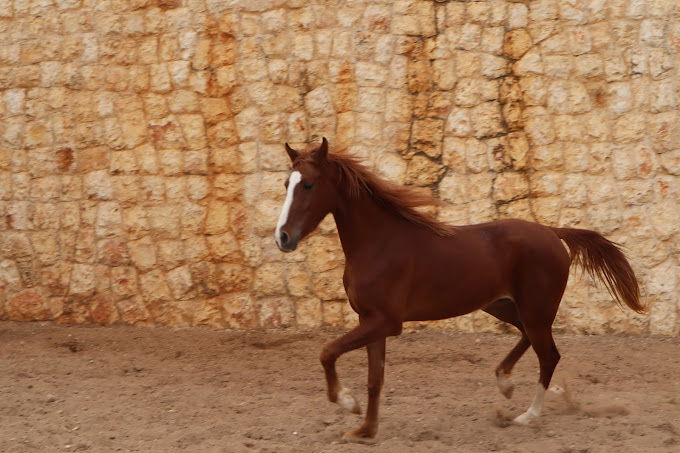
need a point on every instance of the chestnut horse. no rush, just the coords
(402, 265)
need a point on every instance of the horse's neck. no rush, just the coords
(363, 224)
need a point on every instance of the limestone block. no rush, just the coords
(670, 161)
(397, 106)
(543, 10)
(517, 15)
(112, 252)
(368, 126)
(486, 119)
(109, 220)
(516, 43)
(422, 171)
(604, 218)
(170, 253)
(308, 313)
(637, 192)
(154, 289)
(298, 280)
(568, 97)
(492, 39)
(557, 66)
(510, 186)
(143, 253)
(133, 311)
(518, 149)
(469, 36)
(629, 128)
(195, 248)
(574, 190)
(458, 123)
(540, 130)
(516, 209)
(370, 74)
(327, 285)
(83, 280)
(224, 247)
(124, 282)
(276, 312)
(546, 183)
(217, 220)
(426, 136)
(664, 217)
(240, 310)
(103, 311)
(454, 188)
(467, 92)
(269, 280)
(493, 66)
(663, 96)
(481, 211)
(233, 277)
(180, 283)
(530, 63)
(325, 253)
(319, 101)
(333, 313)
(651, 32)
(392, 167)
(28, 305)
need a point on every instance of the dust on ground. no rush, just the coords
(163, 390)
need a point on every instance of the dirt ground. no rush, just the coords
(161, 390)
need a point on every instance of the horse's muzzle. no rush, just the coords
(286, 242)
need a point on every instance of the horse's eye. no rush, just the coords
(307, 185)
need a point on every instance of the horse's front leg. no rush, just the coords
(376, 373)
(369, 331)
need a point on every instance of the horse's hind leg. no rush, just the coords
(504, 309)
(537, 308)
(548, 357)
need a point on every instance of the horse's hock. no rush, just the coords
(142, 165)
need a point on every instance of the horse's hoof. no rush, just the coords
(347, 401)
(524, 420)
(359, 436)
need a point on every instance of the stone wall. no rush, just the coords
(142, 167)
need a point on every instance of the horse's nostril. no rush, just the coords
(284, 238)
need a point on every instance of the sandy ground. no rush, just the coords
(161, 390)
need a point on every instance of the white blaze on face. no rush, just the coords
(294, 180)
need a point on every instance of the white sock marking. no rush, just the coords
(294, 180)
(534, 410)
(504, 383)
(346, 400)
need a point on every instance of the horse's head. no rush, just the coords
(311, 195)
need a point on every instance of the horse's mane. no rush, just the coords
(401, 200)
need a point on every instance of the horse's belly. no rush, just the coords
(452, 297)
(426, 309)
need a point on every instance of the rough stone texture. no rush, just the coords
(141, 165)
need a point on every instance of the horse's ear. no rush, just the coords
(322, 152)
(291, 153)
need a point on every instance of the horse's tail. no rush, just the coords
(602, 258)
